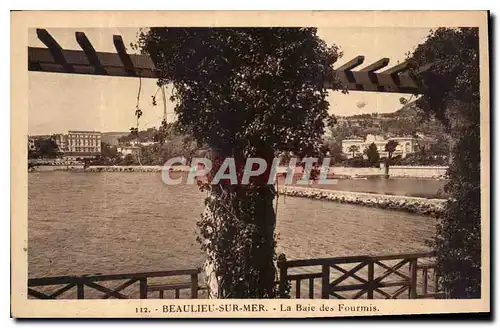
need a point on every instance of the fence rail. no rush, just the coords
(390, 276)
(93, 283)
(353, 277)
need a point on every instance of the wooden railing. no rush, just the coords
(360, 277)
(93, 286)
(370, 277)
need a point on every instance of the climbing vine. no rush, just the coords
(245, 92)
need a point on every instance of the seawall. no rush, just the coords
(423, 206)
(423, 172)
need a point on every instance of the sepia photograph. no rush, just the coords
(300, 167)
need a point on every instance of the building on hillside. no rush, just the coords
(83, 144)
(125, 150)
(406, 145)
(61, 142)
(112, 138)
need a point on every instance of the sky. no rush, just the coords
(62, 102)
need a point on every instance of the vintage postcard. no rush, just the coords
(249, 164)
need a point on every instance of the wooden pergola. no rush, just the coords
(88, 61)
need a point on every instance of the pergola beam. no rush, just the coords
(376, 65)
(90, 53)
(89, 61)
(124, 57)
(55, 49)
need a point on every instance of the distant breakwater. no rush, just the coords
(417, 205)
(149, 168)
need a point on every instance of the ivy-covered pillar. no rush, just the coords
(246, 93)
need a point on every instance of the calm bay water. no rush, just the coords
(82, 223)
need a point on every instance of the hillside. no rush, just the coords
(111, 138)
(406, 121)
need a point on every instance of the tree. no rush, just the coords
(354, 149)
(372, 154)
(390, 148)
(108, 152)
(244, 92)
(46, 148)
(450, 85)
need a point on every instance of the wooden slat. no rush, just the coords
(424, 280)
(371, 276)
(297, 288)
(143, 288)
(337, 296)
(382, 292)
(122, 287)
(348, 274)
(311, 288)
(194, 285)
(325, 282)
(353, 275)
(304, 276)
(124, 57)
(80, 291)
(396, 69)
(154, 288)
(392, 270)
(38, 294)
(62, 290)
(414, 277)
(54, 49)
(345, 288)
(399, 292)
(90, 52)
(83, 279)
(105, 290)
(358, 60)
(381, 63)
(388, 268)
(426, 266)
(354, 259)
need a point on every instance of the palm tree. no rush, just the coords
(390, 148)
(354, 149)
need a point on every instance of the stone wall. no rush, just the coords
(431, 172)
(423, 206)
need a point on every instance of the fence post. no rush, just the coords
(424, 281)
(325, 281)
(413, 279)
(283, 273)
(80, 291)
(194, 285)
(371, 274)
(143, 288)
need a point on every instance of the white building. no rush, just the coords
(128, 150)
(406, 145)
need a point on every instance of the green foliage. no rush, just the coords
(245, 92)
(372, 154)
(451, 94)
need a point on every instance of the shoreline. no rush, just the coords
(184, 168)
(417, 205)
